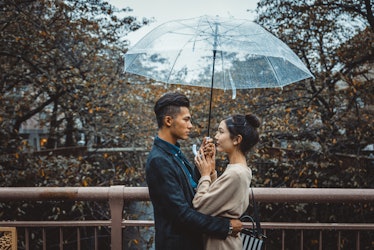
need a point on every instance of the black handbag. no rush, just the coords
(252, 238)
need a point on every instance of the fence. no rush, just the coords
(116, 195)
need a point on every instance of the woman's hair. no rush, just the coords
(246, 126)
(169, 105)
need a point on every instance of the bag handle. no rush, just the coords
(247, 218)
(256, 217)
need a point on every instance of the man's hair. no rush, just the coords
(169, 105)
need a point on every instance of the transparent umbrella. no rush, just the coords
(216, 53)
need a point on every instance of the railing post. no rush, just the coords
(116, 201)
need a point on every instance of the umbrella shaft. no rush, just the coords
(211, 91)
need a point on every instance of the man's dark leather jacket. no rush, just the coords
(178, 226)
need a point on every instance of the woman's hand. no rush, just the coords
(210, 153)
(208, 147)
(205, 164)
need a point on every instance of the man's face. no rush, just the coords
(181, 124)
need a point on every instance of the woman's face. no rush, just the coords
(223, 141)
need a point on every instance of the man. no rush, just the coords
(172, 181)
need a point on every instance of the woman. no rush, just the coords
(228, 195)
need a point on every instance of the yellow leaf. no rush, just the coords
(267, 181)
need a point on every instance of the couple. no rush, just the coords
(193, 209)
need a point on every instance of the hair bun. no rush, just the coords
(253, 120)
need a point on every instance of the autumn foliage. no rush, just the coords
(62, 61)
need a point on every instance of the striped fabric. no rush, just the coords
(250, 242)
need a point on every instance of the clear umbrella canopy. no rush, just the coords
(217, 53)
(241, 53)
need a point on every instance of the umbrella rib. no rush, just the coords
(181, 49)
(274, 71)
(175, 61)
(233, 87)
(223, 70)
(176, 58)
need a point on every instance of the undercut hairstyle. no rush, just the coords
(169, 105)
(246, 126)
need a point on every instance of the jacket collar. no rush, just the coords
(172, 150)
(167, 146)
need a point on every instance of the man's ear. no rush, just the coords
(168, 120)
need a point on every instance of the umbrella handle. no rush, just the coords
(194, 149)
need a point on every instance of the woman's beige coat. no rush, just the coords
(226, 196)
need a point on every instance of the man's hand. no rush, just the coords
(237, 227)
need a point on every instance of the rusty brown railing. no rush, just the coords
(116, 195)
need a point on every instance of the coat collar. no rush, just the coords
(177, 155)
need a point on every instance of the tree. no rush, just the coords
(59, 59)
(62, 61)
(318, 31)
(325, 122)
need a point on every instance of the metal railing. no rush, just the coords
(117, 195)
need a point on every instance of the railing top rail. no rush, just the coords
(148, 223)
(73, 193)
(313, 194)
(141, 193)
